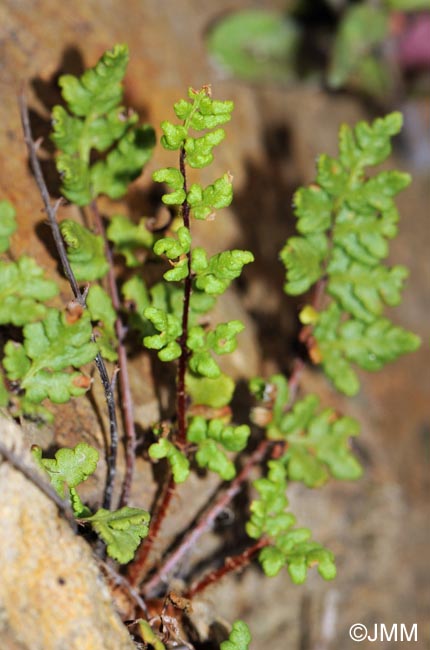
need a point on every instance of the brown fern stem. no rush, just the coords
(124, 380)
(231, 564)
(136, 570)
(181, 400)
(51, 212)
(206, 521)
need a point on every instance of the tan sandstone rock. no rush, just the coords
(52, 596)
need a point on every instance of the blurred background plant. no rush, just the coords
(378, 48)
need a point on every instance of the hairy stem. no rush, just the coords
(181, 403)
(51, 212)
(124, 380)
(230, 564)
(207, 520)
(113, 429)
(136, 570)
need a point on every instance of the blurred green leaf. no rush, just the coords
(370, 346)
(407, 5)
(363, 26)
(4, 394)
(255, 45)
(216, 392)
(124, 163)
(7, 224)
(101, 310)
(76, 179)
(86, 251)
(361, 290)
(23, 289)
(303, 257)
(129, 237)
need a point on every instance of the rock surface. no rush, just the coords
(52, 596)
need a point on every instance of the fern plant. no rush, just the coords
(344, 246)
(180, 335)
(96, 121)
(122, 529)
(344, 222)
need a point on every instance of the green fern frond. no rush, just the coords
(345, 221)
